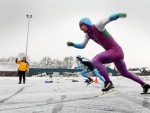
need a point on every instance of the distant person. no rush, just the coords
(90, 68)
(113, 52)
(23, 68)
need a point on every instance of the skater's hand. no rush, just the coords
(123, 15)
(69, 44)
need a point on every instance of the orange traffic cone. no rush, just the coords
(96, 80)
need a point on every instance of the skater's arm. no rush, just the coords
(79, 65)
(85, 59)
(80, 45)
(101, 25)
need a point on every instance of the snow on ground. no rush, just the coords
(65, 96)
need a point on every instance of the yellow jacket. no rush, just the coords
(24, 66)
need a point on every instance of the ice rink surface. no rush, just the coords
(65, 96)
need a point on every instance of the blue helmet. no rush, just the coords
(78, 56)
(86, 21)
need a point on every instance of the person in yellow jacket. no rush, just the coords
(23, 68)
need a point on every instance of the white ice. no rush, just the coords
(65, 96)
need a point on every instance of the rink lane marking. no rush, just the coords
(16, 93)
(53, 103)
(139, 99)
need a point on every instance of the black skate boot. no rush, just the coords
(89, 81)
(107, 86)
(146, 88)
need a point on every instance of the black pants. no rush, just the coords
(22, 75)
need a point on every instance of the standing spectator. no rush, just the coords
(23, 68)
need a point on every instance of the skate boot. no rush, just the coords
(146, 88)
(107, 86)
(89, 81)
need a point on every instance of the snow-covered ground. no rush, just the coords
(65, 96)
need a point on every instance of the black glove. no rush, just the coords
(69, 43)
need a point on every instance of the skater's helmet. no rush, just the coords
(78, 56)
(85, 21)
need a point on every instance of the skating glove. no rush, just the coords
(70, 43)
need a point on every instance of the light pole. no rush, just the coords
(29, 17)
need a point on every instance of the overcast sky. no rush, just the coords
(55, 22)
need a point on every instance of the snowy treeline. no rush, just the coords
(45, 62)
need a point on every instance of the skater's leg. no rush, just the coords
(95, 71)
(84, 73)
(121, 66)
(105, 57)
(99, 60)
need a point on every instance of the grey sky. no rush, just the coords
(55, 22)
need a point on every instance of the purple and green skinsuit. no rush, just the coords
(113, 52)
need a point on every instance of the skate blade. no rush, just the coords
(145, 93)
(89, 83)
(107, 92)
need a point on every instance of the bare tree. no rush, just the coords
(34, 64)
(68, 62)
(59, 64)
(3, 60)
(46, 62)
(11, 59)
